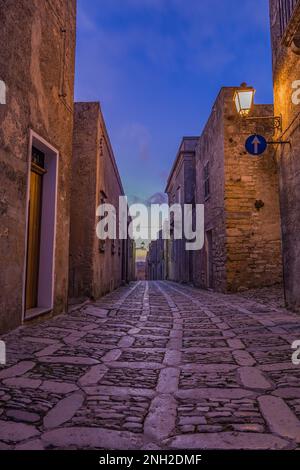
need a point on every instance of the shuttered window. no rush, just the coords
(286, 9)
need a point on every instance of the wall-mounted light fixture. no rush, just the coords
(244, 102)
(244, 99)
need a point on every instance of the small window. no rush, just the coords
(206, 181)
(286, 10)
(38, 157)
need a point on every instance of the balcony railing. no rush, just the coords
(286, 10)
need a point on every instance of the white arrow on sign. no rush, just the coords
(256, 142)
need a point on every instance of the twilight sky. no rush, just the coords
(156, 66)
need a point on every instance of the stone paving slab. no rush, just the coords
(155, 365)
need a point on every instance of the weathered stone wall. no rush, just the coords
(37, 65)
(175, 190)
(131, 255)
(141, 269)
(156, 267)
(210, 149)
(96, 267)
(151, 262)
(253, 238)
(108, 271)
(246, 241)
(83, 198)
(181, 190)
(286, 70)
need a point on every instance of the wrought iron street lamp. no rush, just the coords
(244, 99)
(244, 103)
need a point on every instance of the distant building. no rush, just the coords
(140, 256)
(96, 266)
(140, 270)
(181, 189)
(240, 193)
(131, 263)
(285, 33)
(37, 59)
(157, 266)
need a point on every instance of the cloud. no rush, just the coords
(157, 198)
(137, 136)
(85, 21)
(157, 65)
(134, 199)
(152, 225)
(152, 4)
(169, 34)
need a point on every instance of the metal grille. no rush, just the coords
(286, 9)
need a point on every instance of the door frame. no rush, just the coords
(36, 174)
(48, 236)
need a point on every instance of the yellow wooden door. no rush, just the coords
(34, 229)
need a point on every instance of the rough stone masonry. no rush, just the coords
(37, 66)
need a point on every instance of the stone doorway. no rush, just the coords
(34, 227)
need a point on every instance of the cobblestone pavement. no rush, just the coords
(154, 365)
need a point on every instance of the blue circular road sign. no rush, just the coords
(256, 144)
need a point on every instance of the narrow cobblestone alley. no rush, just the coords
(154, 366)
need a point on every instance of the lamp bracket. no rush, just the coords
(280, 142)
(277, 120)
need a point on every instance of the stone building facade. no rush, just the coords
(141, 271)
(37, 68)
(240, 193)
(285, 34)
(157, 259)
(131, 257)
(96, 266)
(140, 265)
(181, 189)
